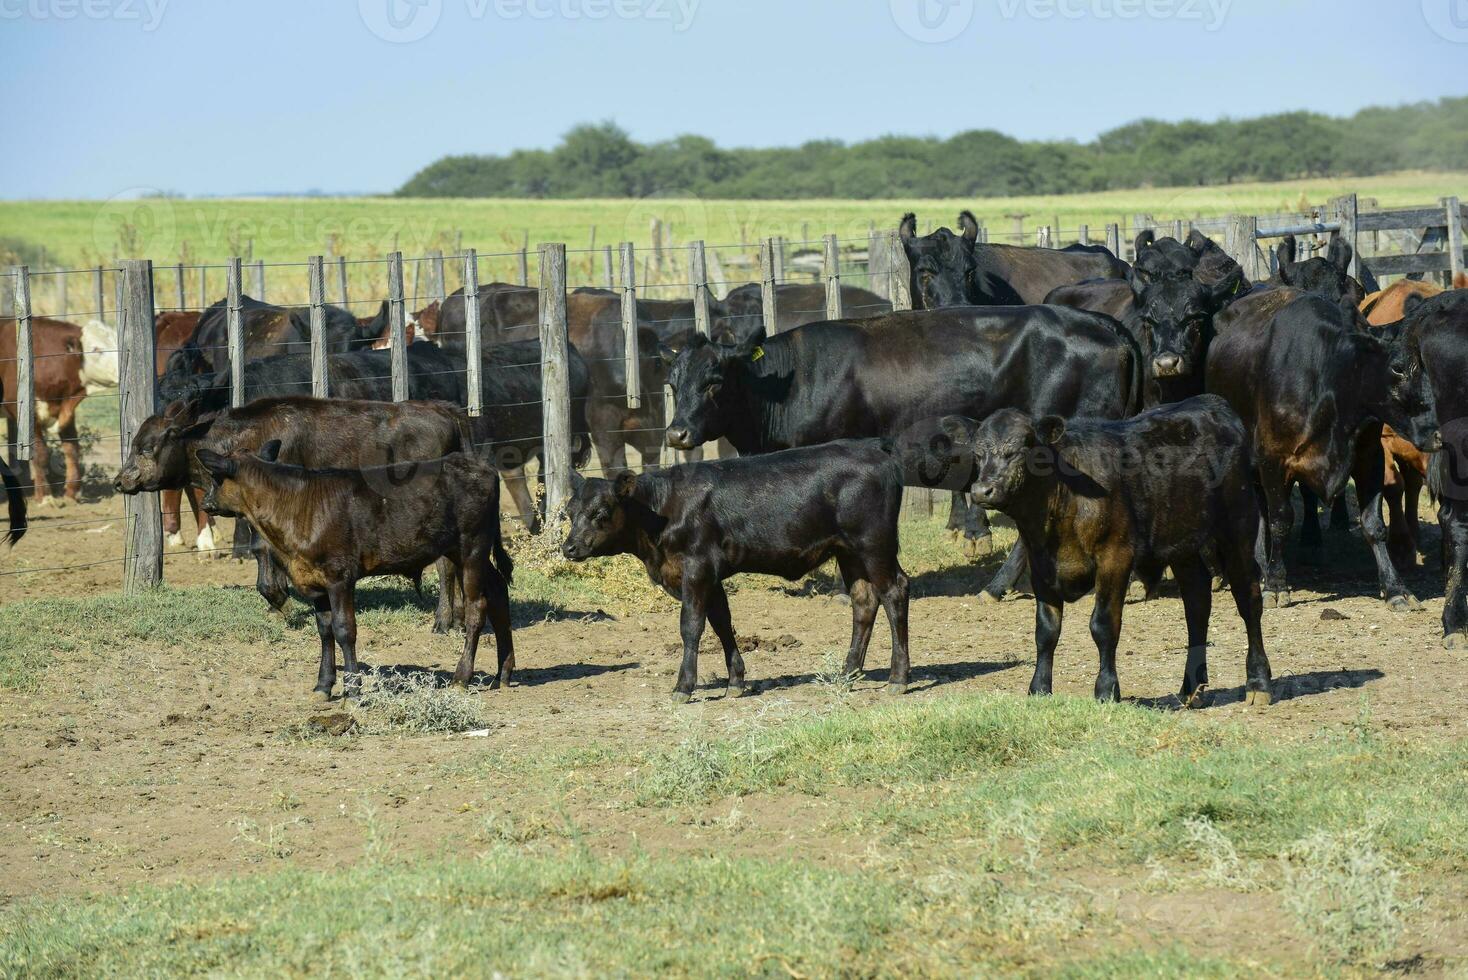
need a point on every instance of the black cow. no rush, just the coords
(1096, 501)
(268, 330)
(1437, 343)
(334, 527)
(796, 304)
(959, 270)
(1328, 277)
(785, 514)
(888, 376)
(1313, 388)
(14, 505)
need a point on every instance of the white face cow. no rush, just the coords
(99, 357)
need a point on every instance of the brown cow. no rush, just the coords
(57, 348)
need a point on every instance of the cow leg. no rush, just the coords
(1368, 477)
(892, 588)
(172, 505)
(978, 539)
(41, 467)
(71, 449)
(1196, 586)
(1340, 516)
(270, 580)
(1412, 481)
(326, 673)
(1311, 543)
(1273, 531)
(1453, 520)
(1399, 544)
(475, 609)
(451, 609)
(864, 604)
(243, 545)
(204, 542)
(496, 593)
(1008, 575)
(723, 624)
(343, 600)
(690, 625)
(1049, 614)
(1242, 571)
(1111, 582)
(519, 489)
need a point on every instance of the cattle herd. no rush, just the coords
(1130, 419)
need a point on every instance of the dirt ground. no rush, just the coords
(155, 767)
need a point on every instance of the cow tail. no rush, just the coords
(502, 561)
(16, 503)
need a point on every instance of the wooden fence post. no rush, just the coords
(235, 332)
(523, 271)
(901, 273)
(877, 280)
(203, 287)
(631, 363)
(609, 269)
(260, 280)
(316, 289)
(717, 280)
(698, 277)
(1345, 212)
(1455, 239)
(25, 366)
(768, 276)
(142, 567)
(397, 325)
(1083, 236)
(779, 258)
(473, 339)
(341, 281)
(178, 281)
(99, 297)
(438, 286)
(835, 309)
(555, 383)
(1113, 240)
(1177, 230)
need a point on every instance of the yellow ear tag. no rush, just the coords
(758, 353)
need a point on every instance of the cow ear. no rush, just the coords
(1144, 241)
(1411, 303)
(1339, 252)
(968, 225)
(1197, 241)
(1227, 287)
(907, 227)
(1286, 252)
(270, 452)
(1139, 279)
(624, 484)
(959, 429)
(667, 354)
(217, 465)
(1049, 430)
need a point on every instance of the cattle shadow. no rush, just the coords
(1290, 687)
(522, 677)
(396, 595)
(926, 678)
(964, 578)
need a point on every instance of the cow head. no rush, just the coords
(1158, 257)
(1008, 449)
(224, 494)
(944, 272)
(741, 315)
(1175, 313)
(703, 376)
(1409, 394)
(159, 459)
(598, 515)
(1328, 277)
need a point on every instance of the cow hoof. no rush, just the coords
(1258, 699)
(1406, 602)
(1198, 699)
(1276, 600)
(1218, 584)
(174, 540)
(894, 689)
(736, 691)
(679, 697)
(954, 534)
(1137, 592)
(978, 547)
(1455, 641)
(986, 598)
(319, 696)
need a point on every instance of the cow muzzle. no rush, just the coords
(1167, 365)
(680, 438)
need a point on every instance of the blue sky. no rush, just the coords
(289, 95)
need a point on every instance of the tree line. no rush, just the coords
(601, 160)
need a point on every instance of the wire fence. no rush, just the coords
(394, 327)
